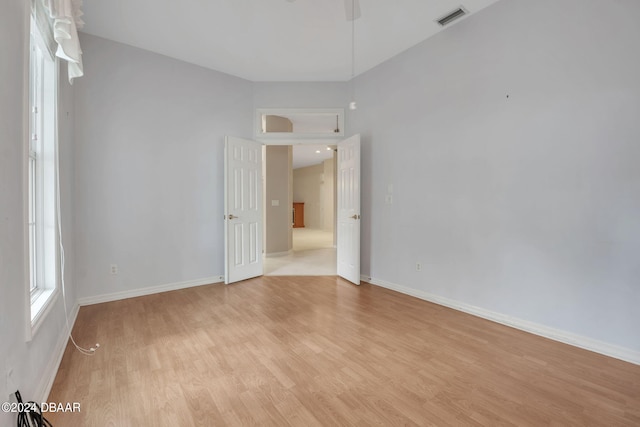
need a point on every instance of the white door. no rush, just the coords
(243, 209)
(349, 209)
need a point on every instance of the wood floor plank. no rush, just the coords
(320, 351)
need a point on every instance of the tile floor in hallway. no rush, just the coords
(313, 255)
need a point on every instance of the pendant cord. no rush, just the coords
(352, 104)
(353, 38)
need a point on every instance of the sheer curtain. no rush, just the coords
(64, 20)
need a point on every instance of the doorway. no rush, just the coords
(245, 209)
(304, 177)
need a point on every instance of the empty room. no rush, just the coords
(476, 191)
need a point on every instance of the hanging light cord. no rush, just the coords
(352, 104)
(353, 38)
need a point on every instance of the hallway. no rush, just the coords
(313, 255)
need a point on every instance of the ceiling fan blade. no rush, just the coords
(352, 9)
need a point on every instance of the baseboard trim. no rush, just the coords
(97, 299)
(565, 337)
(48, 377)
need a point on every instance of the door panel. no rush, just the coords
(243, 209)
(349, 209)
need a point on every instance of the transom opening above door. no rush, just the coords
(275, 125)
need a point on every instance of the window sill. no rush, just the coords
(40, 307)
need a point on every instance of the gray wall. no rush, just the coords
(278, 186)
(149, 158)
(300, 95)
(307, 186)
(328, 189)
(33, 363)
(512, 144)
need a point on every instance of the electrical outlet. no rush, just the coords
(388, 199)
(114, 268)
(418, 266)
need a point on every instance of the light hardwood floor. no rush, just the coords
(306, 351)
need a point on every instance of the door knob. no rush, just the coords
(231, 216)
(356, 216)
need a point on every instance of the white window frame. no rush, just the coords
(41, 182)
(277, 138)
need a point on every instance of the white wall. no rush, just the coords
(307, 186)
(512, 144)
(34, 362)
(150, 141)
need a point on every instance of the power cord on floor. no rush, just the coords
(86, 351)
(30, 414)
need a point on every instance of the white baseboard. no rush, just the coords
(586, 343)
(97, 299)
(51, 370)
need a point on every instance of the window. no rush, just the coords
(41, 177)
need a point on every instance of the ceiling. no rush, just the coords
(272, 40)
(308, 155)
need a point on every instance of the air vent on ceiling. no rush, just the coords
(452, 16)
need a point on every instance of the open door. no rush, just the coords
(243, 209)
(349, 209)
